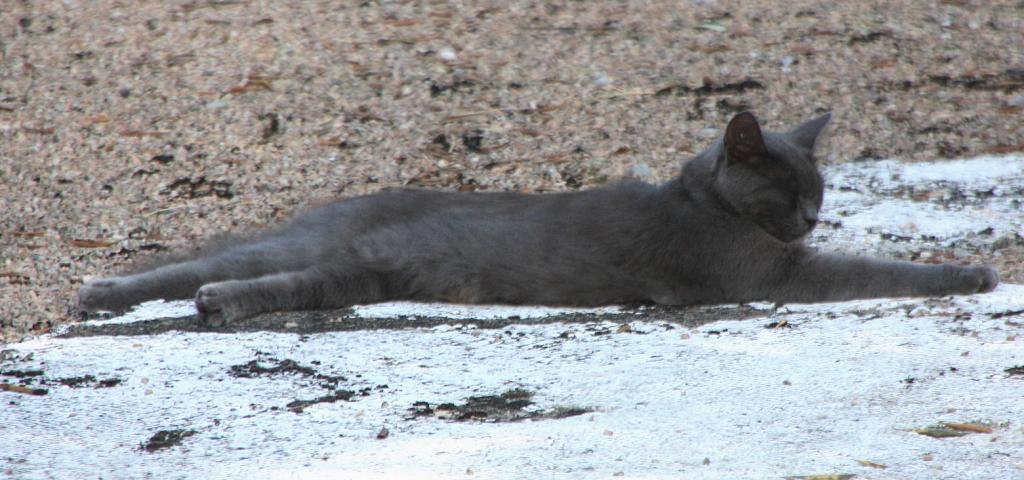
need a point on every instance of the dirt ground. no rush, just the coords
(128, 128)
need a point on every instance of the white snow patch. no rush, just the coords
(756, 402)
(881, 206)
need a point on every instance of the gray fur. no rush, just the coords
(727, 230)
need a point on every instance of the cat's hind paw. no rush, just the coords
(218, 305)
(977, 279)
(989, 279)
(105, 294)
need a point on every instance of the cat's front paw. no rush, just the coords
(970, 280)
(218, 305)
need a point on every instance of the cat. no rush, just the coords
(728, 229)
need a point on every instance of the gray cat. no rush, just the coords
(727, 230)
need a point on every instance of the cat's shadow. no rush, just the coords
(320, 321)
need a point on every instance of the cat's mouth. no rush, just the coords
(789, 235)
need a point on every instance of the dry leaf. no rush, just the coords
(10, 387)
(94, 119)
(545, 108)
(254, 83)
(404, 22)
(969, 427)
(556, 158)
(92, 243)
(38, 130)
(329, 142)
(938, 432)
(27, 234)
(869, 463)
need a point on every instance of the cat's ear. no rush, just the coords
(743, 140)
(806, 135)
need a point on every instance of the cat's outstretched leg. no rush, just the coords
(224, 302)
(176, 281)
(824, 278)
(180, 281)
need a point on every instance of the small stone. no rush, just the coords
(447, 54)
(708, 133)
(787, 62)
(217, 104)
(641, 171)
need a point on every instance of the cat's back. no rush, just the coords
(407, 205)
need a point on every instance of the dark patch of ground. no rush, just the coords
(1010, 313)
(256, 368)
(26, 377)
(298, 406)
(166, 439)
(270, 366)
(318, 321)
(507, 407)
(87, 381)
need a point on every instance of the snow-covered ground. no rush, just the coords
(832, 389)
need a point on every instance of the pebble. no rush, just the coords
(709, 132)
(217, 104)
(786, 62)
(447, 54)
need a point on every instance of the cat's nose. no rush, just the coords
(811, 217)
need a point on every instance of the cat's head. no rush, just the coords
(772, 178)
